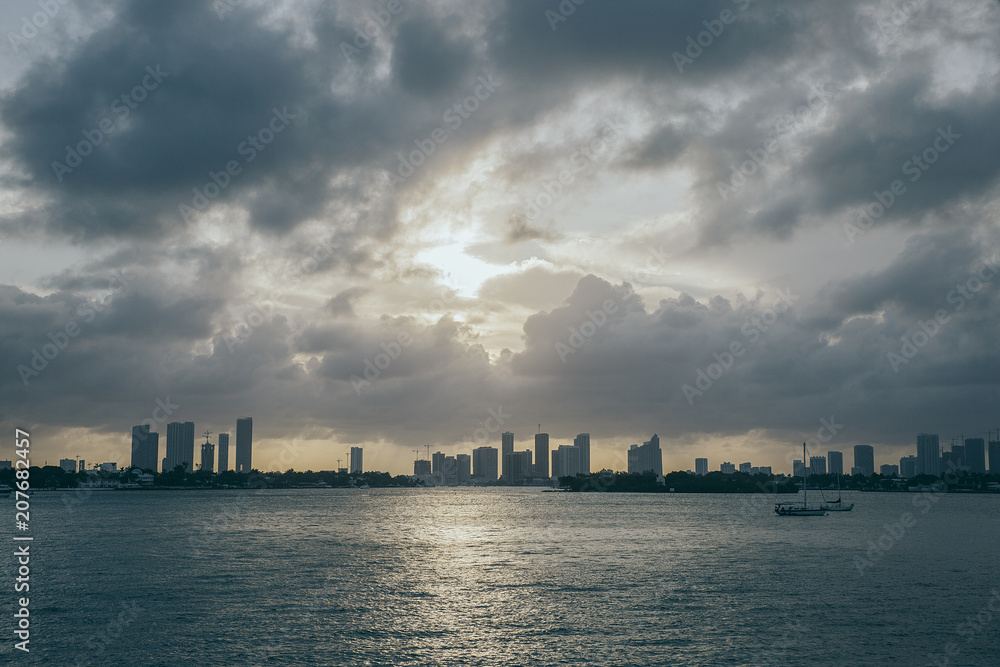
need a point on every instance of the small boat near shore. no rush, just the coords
(803, 508)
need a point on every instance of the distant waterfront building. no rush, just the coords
(437, 462)
(957, 457)
(835, 460)
(646, 457)
(244, 444)
(727, 468)
(857, 471)
(506, 447)
(798, 468)
(463, 463)
(484, 464)
(765, 470)
(888, 470)
(357, 467)
(145, 448)
(864, 458)
(817, 465)
(995, 457)
(928, 454)
(566, 461)
(701, 466)
(180, 446)
(223, 452)
(207, 456)
(975, 454)
(582, 441)
(69, 465)
(517, 466)
(6, 465)
(542, 455)
(110, 466)
(908, 466)
(81, 465)
(421, 467)
(745, 467)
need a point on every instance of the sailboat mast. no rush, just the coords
(805, 486)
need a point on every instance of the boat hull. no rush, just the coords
(787, 510)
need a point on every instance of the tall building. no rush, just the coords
(356, 460)
(244, 444)
(995, 457)
(437, 462)
(145, 448)
(957, 457)
(701, 466)
(835, 460)
(463, 467)
(798, 468)
(908, 466)
(975, 454)
(864, 458)
(928, 454)
(817, 465)
(727, 468)
(421, 467)
(506, 447)
(582, 441)
(207, 456)
(646, 457)
(180, 446)
(223, 452)
(69, 465)
(542, 455)
(745, 467)
(566, 461)
(484, 464)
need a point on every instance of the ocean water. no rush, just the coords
(494, 576)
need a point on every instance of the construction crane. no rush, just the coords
(428, 451)
(416, 454)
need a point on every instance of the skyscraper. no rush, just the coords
(244, 444)
(437, 462)
(566, 461)
(207, 456)
(180, 446)
(975, 454)
(484, 464)
(995, 457)
(583, 442)
(506, 447)
(817, 465)
(701, 466)
(864, 458)
(356, 460)
(908, 467)
(646, 457)
(145, 448)
(463, 466)
(928, 454)
(223, 452)
(835, 461)
(542, 455)
(421, 467)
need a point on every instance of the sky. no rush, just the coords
(737, 224)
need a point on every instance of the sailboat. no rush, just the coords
(800, 509)
(837, 505)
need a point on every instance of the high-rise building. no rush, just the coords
(566, 461)
(908, 466)
(817, 465)
(244, 444)
(207, 456)
(356, 460)
(223, 452)
(975, 454)
(516, 467)
(765, 470)
(506, 447)
(484, 464)
(69, 465)
(421, 467)
(745, 467)
(542, 455)
(864, 458)
(145, 448)
(701, 466)
(437, 462)
(463, 467)
(798, 468)
(449, 470)
(582, 441)
(928, 454)
(995, 457)
(727, 468)
(180, 446)
(957, 456)
(82, 465)
(888, 470)
(646, 457)
(835, 460)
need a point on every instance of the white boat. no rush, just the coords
(796, 508)
(838, 505)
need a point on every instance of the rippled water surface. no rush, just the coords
(505, 577)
